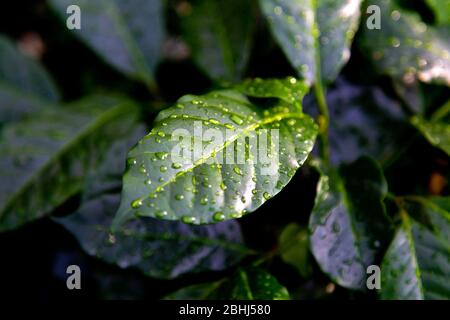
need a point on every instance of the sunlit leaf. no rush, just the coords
(315, 35)
(206, 179)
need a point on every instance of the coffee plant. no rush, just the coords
(239, 149)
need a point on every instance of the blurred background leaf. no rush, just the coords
(127, 34)
(219, 34)
(45, 158)
(315, 35)
(25, 86)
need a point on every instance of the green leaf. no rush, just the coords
(246, 284)
(180, 171)
(220, 35)
(348, 223)
(45, 158)
(25, 86)
(315, 35)
(126, 34)
(160, 249)
(417, 263)
(289, 89)
(437, 133)
(294, 248)
(441, 9)
(406, 48)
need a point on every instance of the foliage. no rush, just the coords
(355, 123)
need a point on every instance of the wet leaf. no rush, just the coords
(348, 223)
(416, 265)
(315, 35)
(45, 158)
(220, 35)
(245, 284)
(160, 249)
(126, 34)
(214, 157)
(406, 48)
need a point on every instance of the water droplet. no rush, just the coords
(266, 195)
(204, 201)
(395, 42)
(188, 219)
(278, 10)
(238, 171)
(161, 134)
(111, 238)
(335, 227)
(136, 203)
(223, 186)
(179, 197)
(142, 169)
(161, 155)
(218, 216)
(131, 161)
(163, 168)
(176, 165)
(180, 106)
(395, 15)
(229, 126)
(159, 189)
(161, 214)
(148, 182)
(213, 121)
(236, 119)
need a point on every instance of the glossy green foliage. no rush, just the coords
(244, 284)
(214, 175)
(294, 248)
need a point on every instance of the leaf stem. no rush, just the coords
(323, 120)
(440, 113)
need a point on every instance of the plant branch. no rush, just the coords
(324, 120)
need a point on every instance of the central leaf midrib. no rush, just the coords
(277, 117)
